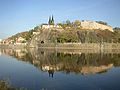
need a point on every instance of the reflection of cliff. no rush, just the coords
(95, 69)
(52, 60)
(17, 53)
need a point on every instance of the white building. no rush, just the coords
(0, 41)
(47, 26)
(20, 40)
(36, 33)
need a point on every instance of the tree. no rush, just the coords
(77, 24)
(35, 28)
(29, 35)
(101, 22)
(68, 22)
(117, 28)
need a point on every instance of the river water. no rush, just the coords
(59, 69)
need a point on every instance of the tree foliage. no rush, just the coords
(101, 22)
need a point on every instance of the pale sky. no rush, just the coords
(21, 15)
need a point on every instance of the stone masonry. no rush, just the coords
(94, 25)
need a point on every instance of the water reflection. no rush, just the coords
(5, 85)
(76, 61)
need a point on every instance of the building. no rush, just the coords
(6, 41)
(51, 20)
(20, 40)
(36, 32)
(51, 24)
(0, 41)
(47, 26)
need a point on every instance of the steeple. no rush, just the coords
(51, 20)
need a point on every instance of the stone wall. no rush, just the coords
(94, 25)
(47, 26)
(77, 46)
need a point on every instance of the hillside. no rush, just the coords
(68, 32)
(76, 36)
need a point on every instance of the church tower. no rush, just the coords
(51, 20)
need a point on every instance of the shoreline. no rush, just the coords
(75, 46)
(96, 46)
(12, 46)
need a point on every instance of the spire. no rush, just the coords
(49, 22)
(52, 19)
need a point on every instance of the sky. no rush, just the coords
(23, 15)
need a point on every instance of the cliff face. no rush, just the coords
(53, 37)
(94, 25)
(41, 38)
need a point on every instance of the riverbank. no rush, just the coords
(12, 46)
(96, 46)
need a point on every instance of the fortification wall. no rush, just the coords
(94, 25)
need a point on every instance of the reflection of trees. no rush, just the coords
(50, 60)
(4, 85)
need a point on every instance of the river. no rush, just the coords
(43, 69)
